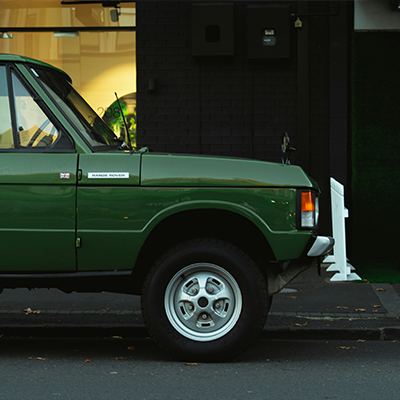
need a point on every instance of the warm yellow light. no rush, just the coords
(100, 88)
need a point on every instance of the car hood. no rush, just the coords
(205, 171)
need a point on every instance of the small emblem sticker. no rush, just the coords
(64, 175)
(108, 175)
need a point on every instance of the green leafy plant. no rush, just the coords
(113, 118)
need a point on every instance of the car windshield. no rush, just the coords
(88, 123)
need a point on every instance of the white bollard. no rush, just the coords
(339, 258)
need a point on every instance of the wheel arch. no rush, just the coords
(211, 223)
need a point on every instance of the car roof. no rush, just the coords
(24, 59)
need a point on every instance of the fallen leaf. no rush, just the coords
(189, 364)
(361, 340)
(36, 358)
(360, 309)
(119, 358)
(342, 307)
(291, 297)
(113, 373)
(346, 347)
(116, 337)
(131, 347)
(380, 290)
(300, 324)
(88, 360)
(30, 311)
(376, 306)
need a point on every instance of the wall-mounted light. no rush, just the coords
(66, 34)
(6, 35)
(115, 13)
(152, 85)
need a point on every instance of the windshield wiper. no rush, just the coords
(122, 143)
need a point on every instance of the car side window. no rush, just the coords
(6, 133)
(34, 127)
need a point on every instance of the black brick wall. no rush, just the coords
(209, 105)
(231, 105)
(319, 39)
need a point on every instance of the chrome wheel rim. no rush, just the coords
(203, 302)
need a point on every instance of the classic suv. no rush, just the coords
(205, 240)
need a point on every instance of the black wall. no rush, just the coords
(235, 106)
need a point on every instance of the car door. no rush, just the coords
(110, 218)
(38, 174)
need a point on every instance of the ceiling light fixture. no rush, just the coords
(66, 34)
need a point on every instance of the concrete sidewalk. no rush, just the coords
(311, 307)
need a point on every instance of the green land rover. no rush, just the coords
(206, 241)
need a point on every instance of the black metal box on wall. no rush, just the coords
(212, 29)
(268, 32)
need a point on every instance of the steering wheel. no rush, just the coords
(37, 133)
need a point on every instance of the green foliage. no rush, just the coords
(113, 118)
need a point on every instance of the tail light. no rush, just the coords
(309, 210)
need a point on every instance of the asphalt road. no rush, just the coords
(137, 369)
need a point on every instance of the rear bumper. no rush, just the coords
(321, 246)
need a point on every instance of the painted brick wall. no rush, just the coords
(319, 40)
(228, 105)
(209, 105)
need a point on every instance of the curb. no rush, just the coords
(71, 331)
(294, 333)
(390, 333)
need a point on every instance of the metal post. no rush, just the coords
(339, 257)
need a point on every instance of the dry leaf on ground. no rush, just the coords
(30, 311)
(300, 324)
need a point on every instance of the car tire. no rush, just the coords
(204, 300)
(270, 298)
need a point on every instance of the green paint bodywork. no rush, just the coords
(210, 171)
(37, 211)
(42, 215)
